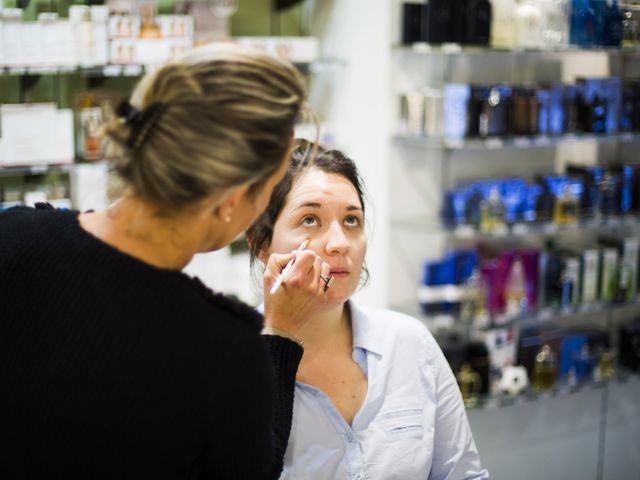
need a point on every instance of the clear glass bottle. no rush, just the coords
(503, 25)
(630, 25)
(470, 385)
(514, 290)
(492, 213)
(528, 24)
(555, 23)
(473, 310)
(544, 370)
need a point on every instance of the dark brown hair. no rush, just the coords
(304, 157)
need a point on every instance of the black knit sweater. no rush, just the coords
(112, 368)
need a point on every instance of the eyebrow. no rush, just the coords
(350, 208)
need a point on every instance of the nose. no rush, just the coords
(337, 242)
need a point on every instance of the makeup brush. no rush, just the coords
(286, 269)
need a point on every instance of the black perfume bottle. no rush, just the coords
(572, 105)
(493, 115)
(437, 22)
(478, 22)
(412, 19)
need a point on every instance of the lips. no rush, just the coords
(339, 273)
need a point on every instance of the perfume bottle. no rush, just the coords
(544, 370)
(569, 282)
(478, 22)
(525, 111)
(528, 24)
(572, 105)
(608, 189)
(474, 306)
(492, 213)
(596, 113)
(148, 26)
(605, 369)
(470, 385)
(437, 22)
(514, 290)
(583, 23)
(630, 25)
(566, 207)
(612, 35)
(555, 23)
(503, 24)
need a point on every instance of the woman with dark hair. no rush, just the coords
(374, 397)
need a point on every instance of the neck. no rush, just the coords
(330, 329)
(135, 226)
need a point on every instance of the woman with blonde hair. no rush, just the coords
(114, 363)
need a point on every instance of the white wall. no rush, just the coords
(358, 32)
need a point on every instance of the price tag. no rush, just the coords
(522, 142)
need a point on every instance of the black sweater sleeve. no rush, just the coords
(286, 356)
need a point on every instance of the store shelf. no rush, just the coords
(494, 143)
(519, 230)
(34, 170)
(492, 402)
(530, 319)
(458, 49)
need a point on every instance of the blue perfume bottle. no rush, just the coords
(583, 23)
(612, 32)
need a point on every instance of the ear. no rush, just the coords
(227, 206)
(263, 256)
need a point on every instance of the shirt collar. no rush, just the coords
(367, 334)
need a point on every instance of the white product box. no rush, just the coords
(100, 34)
(12, 36)
(28, 133)
(62, 150)
(179, 46)
(124, 26)
(89, 186)
(80, 18)
(172, 26)
(68, 49)
(122, 51)
(31, 44)
(153, 51)
(293, 49)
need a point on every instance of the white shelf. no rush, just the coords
(517, 142)
(517, 230)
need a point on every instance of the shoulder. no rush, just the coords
(393, 322)
(400, 333)
(238, 312)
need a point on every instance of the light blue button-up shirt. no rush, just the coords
(411, 426)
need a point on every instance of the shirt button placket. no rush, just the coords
(358, 476)
(348, 437)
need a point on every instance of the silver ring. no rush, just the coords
(328, 280)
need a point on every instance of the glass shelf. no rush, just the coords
(518, 230)
(458, 49)
(134, 70)
(494, 143)
(530, 319)
(34, 170)
(491, 402)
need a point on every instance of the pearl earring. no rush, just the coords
(227, 219)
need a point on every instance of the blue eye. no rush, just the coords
(309, 220)
(352, 221)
